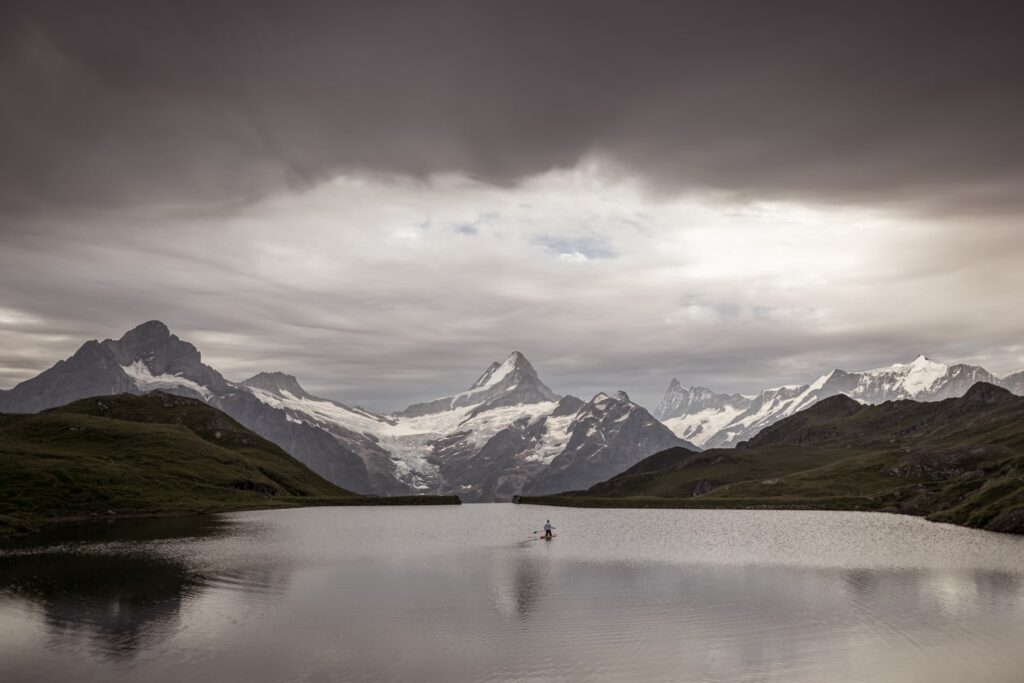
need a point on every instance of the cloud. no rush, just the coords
(383, 198)
(109, 104)
(363, 290)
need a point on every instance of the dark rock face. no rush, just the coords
(507, 433)
(315, 448)
(151, 351)
(569, 405)
(608, 435)
(277, 383)
(499, 469)
(601, 438)
(92, 371)
(163, 353)
(98, 368)
(680, 400)
(381, 469)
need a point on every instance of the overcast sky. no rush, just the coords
(383, 198)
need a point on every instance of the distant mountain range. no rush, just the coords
(508, 433)
(712, 420)
(958, 460)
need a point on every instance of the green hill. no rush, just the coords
(154, 454)
(960, 460)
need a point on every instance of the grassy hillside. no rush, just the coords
(959, 460)
(153, 454)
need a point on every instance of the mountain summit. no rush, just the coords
(723, 420)
(145, 358)
(509, 383)
(148, 358)
(508, 431)
(278, 383)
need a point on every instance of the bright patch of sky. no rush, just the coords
(385, 290)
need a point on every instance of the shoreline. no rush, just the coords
(16, 526)
(824, 505)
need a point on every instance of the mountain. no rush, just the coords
(698, 414)
(571, 443)
(510, 383)
(715, 420)
(1014, 383)
(506, 433)
(957, 460)
(158, 453)
(149, 357)
(605, 436)
(350, 430)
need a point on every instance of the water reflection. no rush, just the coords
(147, 529)
(517, 585)
(399, 594)
(119, 603)
(97, 587)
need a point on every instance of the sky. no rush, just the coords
(383, 198)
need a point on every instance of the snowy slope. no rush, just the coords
(486, 442)
(146, 381)
(149, 357)
(701, 426)
(511, 382)
(722, 420)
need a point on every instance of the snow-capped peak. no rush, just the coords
(822, 381)
(278, 383)
(919, 375)
(737, 419)
(511, 382)
(920, 361)
(603, 401)
(498, 371)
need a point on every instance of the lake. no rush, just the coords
(466, 594)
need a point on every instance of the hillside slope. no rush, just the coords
(960, 460)
(505, 434)
(153, 454)
(713, 420)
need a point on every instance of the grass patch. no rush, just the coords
(157, 454)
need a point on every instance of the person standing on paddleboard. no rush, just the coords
(547, 529)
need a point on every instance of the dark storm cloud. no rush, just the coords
(382, 198)
(112, 103)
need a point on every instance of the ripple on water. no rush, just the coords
(464, 593)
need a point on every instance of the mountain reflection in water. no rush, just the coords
(459, 594)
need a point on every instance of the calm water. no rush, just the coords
(461, 594)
